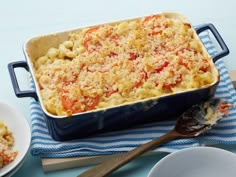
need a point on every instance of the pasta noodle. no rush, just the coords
(118, 63)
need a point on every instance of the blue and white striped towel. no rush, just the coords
(121, 141)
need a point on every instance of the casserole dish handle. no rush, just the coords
(18, 92)
(224, 48)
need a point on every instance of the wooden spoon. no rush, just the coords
(191, 123)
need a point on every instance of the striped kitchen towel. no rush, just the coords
(121, 141)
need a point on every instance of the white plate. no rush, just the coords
(196, 162)
(20, 129)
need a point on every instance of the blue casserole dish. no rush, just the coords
(114, 118)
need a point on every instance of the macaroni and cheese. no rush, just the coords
(7, 154)
(118, 63)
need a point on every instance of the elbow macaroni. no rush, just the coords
(114, 64)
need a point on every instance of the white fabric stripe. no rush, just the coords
(223, 132)
(39, 125)
(103, 145)
(217, 138)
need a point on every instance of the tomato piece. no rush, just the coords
(173, 84)
(205, 67)
(70, 105)
(66, 103)
(91, 102)
(155, 32)
(94, 47)
(161, 49)
(161, 67)
(147, 19)
(138, 83)
(110, 91)
(112, 54)
(87, 37)
(156, 28)
(181, 51)
(115, 38)
(142, 77)
(133, 56)
(182, 62)
(181, 58)
(86, 42)
(89, 31)
(145, 75)
(75, 106)
(156, 83)
(70, 80)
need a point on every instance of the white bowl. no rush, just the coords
(196, 162)
(20, 129)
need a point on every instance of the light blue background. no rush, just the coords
(21, 20)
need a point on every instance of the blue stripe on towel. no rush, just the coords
(121, 141)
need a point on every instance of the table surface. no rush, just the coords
(21, 20)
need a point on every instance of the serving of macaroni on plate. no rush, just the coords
(118, 63)
(7, 154)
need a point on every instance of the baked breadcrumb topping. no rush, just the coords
(118, 63)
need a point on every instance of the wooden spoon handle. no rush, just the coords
(110, 165)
